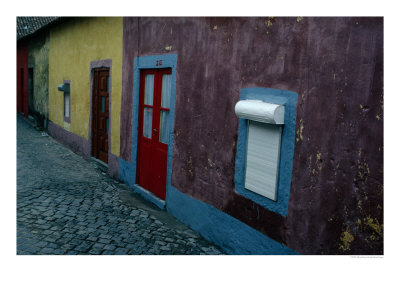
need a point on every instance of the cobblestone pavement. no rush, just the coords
(68, 205)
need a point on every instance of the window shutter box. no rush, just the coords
(64, 87)
(260, 111)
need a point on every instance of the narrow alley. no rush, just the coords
(68, 205)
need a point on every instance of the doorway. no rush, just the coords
(100, 114)
(153, 137)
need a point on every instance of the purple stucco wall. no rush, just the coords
(335, 65)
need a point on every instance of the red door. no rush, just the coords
(100, 114)
(154, 119)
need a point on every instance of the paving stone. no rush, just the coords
(92, 238)
(109, 247)
(41, 244)
(59, 251)
(98, 246)
(47, 251)
(121, 251)
(52, 245)
(95, 251)
(104, 241)
(169, 240)
(161, 243)
(50, 239)
(82, 248)
(105, 236)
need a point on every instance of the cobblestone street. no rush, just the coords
(68, 205)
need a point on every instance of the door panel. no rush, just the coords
(155, 98)
(100, 113)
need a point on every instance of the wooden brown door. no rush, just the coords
(100, 113)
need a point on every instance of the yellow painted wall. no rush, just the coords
(73, 46)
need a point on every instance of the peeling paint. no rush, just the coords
(346, 238)
(210, 163)
(309, 164)
(168, 48)
(346, 211)
(374, 224)
(268, 23)
(215, 27)
(359, 205)
(319, 155)
(299, 19)
(190, 166)
(336, 168)
(300, 131)
(363, 170)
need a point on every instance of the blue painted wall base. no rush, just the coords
(233, 236)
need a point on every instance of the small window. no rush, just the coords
(66, 105)
(265, 147)
(67, 101)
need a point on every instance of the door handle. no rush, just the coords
(155, 130)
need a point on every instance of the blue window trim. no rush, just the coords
(289, 100)
(127, 170)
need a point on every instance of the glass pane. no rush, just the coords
(108, 84)
(149, 89)
(166, 91)
(103, 104)
(147, 121)
(106, 125)
(66, 105)
(164, 125)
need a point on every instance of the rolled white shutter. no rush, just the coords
(263, 153)
(260, 111)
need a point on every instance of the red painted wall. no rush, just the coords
(22, 78)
